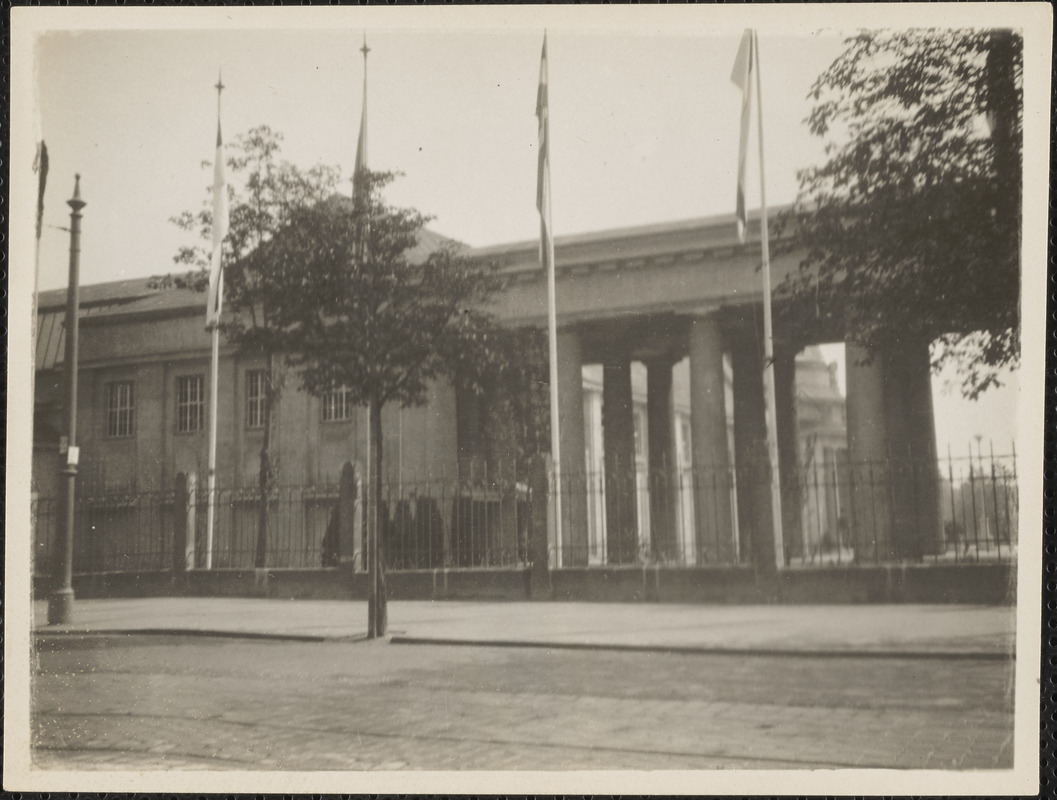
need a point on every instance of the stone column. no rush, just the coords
(917, 517)
(868, 478)
(663, 466)
(711, 460)
(788, 450)
(618, 431)
(753, 472)
(573, 487)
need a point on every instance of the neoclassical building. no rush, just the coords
(661, 411)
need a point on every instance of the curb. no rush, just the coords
(767, 652)
(764, 652)
(281, 637)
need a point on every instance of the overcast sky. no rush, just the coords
(644, 125)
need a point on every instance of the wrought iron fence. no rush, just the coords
(423, 525)
(876, 512)
(113, 532)
(952, 511)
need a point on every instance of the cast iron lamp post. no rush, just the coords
(60, 603)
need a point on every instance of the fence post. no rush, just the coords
(539, 516)
(179, 522)
(350, 520)
(192, 527)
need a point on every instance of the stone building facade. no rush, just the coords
(660, 397)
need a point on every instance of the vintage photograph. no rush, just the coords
(526, 399)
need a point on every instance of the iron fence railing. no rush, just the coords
(875, 512)
(836, 513)
(113, 532)
(423, 525)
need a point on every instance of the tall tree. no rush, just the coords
(512, 372)
(383, 308)
(911, 226)
(267, 195)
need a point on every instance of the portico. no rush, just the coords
(659, 294)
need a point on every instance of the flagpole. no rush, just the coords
(552, 335)
(360, 166)
(768, 332)
(214, 372)
(358, 188)
(547, 257)
(212, 474)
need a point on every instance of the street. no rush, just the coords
(128, 701)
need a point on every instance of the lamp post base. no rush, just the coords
(60, 606)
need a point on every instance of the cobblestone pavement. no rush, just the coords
(171, 702)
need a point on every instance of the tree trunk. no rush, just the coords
(264, 475)
(377, 617)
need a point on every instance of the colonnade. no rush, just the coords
(895, 505)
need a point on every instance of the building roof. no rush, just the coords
(136, 295)
(95, 300)
(718, 230)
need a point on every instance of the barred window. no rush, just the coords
(337, 404)
(119, 409)
(255, 398)
(190, 403)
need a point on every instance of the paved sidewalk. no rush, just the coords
(877, 630)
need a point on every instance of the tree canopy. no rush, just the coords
(375, 302)
(351, 293)
(378, 305)
(912, 225)
(266, 196)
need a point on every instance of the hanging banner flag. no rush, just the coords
(742, 78)
(220, 230)
(361, 150)
(543, 178)
(361, 190)
(40, 166)
(359, 187)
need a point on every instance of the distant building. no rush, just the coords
(822, 440)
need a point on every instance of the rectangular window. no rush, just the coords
(119, 409)
(337, 404)
(255, 398)
(190, 403)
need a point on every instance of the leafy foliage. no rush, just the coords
(266, 197)
(912, 225)
(376, 303)
(523, 382)
(512, 376)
